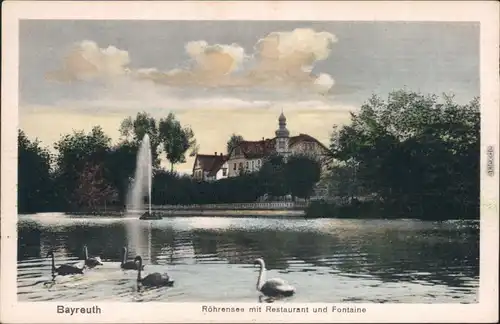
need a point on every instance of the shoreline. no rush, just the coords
(284, 210)
(285, 213)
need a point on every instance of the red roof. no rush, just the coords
(210, 163)
(257, 149)
(266, 147)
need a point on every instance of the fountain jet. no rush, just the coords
(142, 183)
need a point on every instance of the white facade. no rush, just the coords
(222, 173)
(249, 156)
(210, 167)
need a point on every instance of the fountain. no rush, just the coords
(142, 181)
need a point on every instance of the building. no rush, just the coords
(249, 155)
(210, 167)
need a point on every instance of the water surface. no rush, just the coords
(210, 259)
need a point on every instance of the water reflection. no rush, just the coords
(357, 253)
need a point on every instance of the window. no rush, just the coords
(253, 165)
(224, 172)
(258, 162)
(237, 151)
(241, 165)
(246, 164)
(281, 144)
(234, 168)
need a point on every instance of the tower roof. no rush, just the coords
(282, 131)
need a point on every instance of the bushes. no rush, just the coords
(173, 189)
(276, 177)
(323, 209)
(380, 210)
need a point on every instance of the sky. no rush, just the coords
(224, 77)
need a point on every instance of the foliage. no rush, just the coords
(273, 176)
(167, 134)
(301, 174)
(417, 153)
(132, 132)
(93, 190)
(35, 185)
(74, 152)
(90, 173)
(177, 140)
(171, 188)
(343, 181)
(233, 141)
(412, 156)
(119, 168)
(355, 209)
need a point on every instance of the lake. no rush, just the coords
(211, 258)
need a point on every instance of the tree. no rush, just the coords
(176, 140)
(74, 151)
(34, 184)
(233, 141)
(301, 174)
(120, 166)
(132, 132)
(93, 191)
(413, 152)
(344, 182)
(272, 176)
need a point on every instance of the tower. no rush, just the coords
(282, 136)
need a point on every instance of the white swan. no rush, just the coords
(275, 287)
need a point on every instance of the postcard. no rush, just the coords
(249, 162)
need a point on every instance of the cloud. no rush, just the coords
(210, 66)
(280, 61)
(86, 61)
(323, 83)
(288, 58)
(215, 59)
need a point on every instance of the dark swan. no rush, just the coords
(273, 288)
(128, 265)
(155, 279)
(91, 262)
(64, 269)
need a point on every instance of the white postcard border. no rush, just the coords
(486, 12)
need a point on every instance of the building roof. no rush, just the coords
(305, 138)
(266, 147)
(282, 131)
(210, 163)
(257, 149)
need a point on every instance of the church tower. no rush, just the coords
(282, 136)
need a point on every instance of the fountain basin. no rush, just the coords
(150, 216)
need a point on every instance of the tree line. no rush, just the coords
(88, 172)
(278, 177)
(416, 155)
(410, 155)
